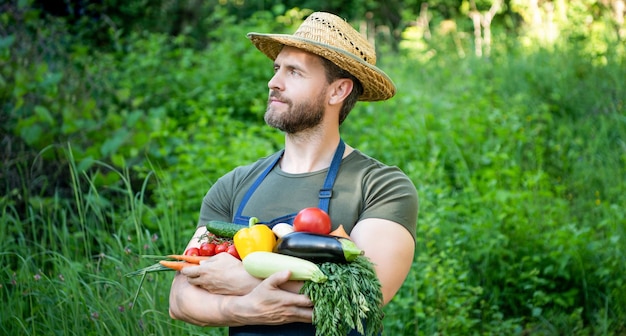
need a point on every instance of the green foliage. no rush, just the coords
(518, 159)
(520, 191)
(155, 102)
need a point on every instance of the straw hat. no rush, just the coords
(331, 37)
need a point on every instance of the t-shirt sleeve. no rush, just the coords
(391, 195)
(216, 204)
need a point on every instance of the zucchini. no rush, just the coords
(223, 229)
(261, 264)
(318, 248)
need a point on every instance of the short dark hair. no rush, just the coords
(334, 72)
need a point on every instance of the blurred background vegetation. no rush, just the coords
(116, 117)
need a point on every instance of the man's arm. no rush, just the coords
(390, 247)
(244, 300)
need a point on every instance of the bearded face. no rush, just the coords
(293, 117)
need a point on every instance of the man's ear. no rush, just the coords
(339, 90)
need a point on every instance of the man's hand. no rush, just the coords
(275, 305)
(221, 274)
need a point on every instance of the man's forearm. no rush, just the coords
(197, 306)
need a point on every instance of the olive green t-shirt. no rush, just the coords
(364, 188)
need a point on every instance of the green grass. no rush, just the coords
(64, 270)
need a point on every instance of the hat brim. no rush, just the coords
(376, 84)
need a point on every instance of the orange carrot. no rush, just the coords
(340, 232)
(176, 265)
(188, 258)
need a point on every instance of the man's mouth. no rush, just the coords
(275, 98)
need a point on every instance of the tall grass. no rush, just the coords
(54, 283)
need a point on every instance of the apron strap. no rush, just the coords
(239, 219)
(327, 190)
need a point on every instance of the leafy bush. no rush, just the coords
(151, 104)
(519, 214)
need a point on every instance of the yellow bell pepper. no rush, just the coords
(254, 238)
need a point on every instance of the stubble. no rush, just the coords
(298, 116)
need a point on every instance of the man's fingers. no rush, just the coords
(278, 278)
(275, 280)
(191, 271)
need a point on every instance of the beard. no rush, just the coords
(299, 116)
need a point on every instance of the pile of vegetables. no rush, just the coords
(338, 278)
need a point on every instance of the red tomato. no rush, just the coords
(192, 251)
(314, 220)
(223, 247)
(207, 249)
(233, 251)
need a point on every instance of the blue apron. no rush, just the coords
(290, 329)
(324, 195)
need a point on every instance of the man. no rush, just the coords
(319, 73)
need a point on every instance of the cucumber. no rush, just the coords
(223, 229)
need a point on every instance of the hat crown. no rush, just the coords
(326, 28)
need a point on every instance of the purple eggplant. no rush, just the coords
(318, 248)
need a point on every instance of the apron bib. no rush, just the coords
(326, 192)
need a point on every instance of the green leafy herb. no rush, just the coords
(351, 298)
